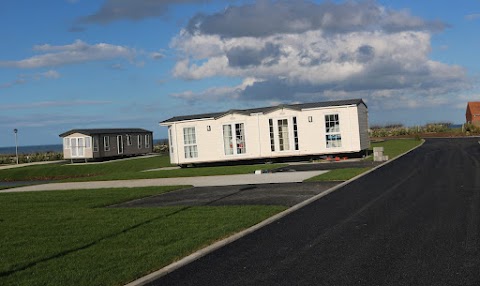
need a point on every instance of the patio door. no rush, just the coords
(78, 147)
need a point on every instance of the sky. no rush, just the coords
(69, 64)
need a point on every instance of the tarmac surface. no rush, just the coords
(414, 221)
(286, 194)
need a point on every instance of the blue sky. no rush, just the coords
(69, 64)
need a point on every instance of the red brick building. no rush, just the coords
(473, 113)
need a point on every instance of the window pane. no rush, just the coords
(283, 134)
(147, 141)
(189, 142)
(106, 143)
(88, 142)
(240, 138)
(272, 135)
(332, 125)
(81, 146)
(95, 144)
(295, 133)
(227, 139)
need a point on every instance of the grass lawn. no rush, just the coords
(120, 170)
(69, 238)
(395, 147)
(338, 175)
(392, 148)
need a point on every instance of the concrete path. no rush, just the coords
(204, 181)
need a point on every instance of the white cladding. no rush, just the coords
(210, 142)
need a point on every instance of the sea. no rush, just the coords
(32, 149)
(48, 148)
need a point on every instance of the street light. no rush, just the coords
(16, 143)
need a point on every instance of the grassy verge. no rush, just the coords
(338, 175)
(68, 238)
(120, 170)
(392, 148)
(395, 147)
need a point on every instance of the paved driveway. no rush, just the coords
(415, 221)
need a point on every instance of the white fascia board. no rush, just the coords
(191, 120)
(329, 107)
(276, 108)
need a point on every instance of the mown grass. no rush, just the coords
(120, 170)
(338, 174)
(395, 147)
(69, 238)
(392, 148)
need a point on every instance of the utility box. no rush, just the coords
(378, 154)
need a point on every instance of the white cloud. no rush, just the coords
(157, 55)
(77, 52)
(217, 93)
(311, 58)
(386, 55)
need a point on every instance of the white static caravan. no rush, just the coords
(318, 128)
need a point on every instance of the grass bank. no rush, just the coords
(69, 238)
(395, 147)
(338, 175)
(120, 170)
(392, 148)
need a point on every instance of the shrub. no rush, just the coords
(29, 158)
(161, 148)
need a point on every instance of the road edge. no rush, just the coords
(221, 243)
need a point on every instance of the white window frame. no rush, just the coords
(271, 128)
(147, 140)
(233, 142)
(95, 143)
(129, 139)
(88, 142)
(289, 137)
(120, 147)
(66, 142)
(190, 142)
(295, 133)
(106, 143)
(283, 136)
(333, 136)
(139, 138)
(170, 140)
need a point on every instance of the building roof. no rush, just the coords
(474, 107)
(105, 131)
(266, 110)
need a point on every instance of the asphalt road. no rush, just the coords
(415, 221)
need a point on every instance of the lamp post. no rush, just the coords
(16, 143)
